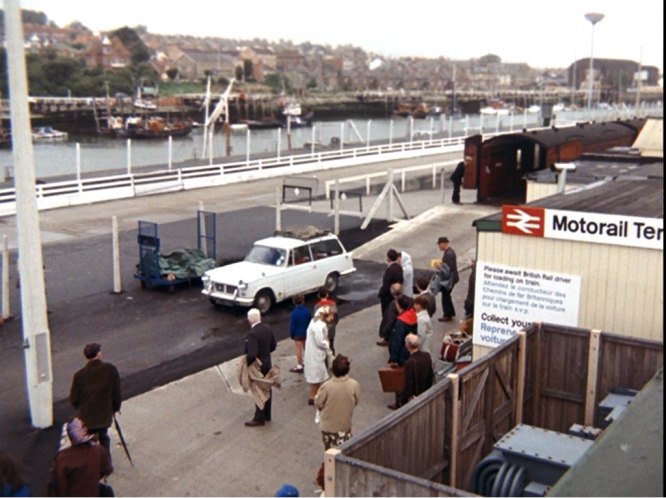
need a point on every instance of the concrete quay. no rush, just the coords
(188, 438)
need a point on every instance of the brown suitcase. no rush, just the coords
(392, 379)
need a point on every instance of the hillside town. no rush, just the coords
(308, 68)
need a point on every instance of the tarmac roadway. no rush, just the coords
(156, 339)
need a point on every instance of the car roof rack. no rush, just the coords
(302, 233)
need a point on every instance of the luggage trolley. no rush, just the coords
(149, 270)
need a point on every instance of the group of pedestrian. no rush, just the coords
(82, 468)
(406, 321)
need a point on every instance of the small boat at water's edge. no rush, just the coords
(48, 134)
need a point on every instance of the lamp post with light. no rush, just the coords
(594, 18)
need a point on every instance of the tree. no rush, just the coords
(138, 50)
(172, 73)
(490, 59)
(248, 70)
(239, 73)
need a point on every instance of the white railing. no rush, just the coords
(367, 178)
(85, 191)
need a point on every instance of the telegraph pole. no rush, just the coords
(36, 335)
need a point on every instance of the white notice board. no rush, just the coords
(508, 299)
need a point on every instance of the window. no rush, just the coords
(326, 248)
(267, 256)
(300, 255)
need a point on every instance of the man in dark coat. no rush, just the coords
(259, 344)
(392, 274)
(389, 317)
(95, 394)
(419, 375)
(457, 178)
(448, 257)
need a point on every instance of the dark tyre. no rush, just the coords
(331, 282)
(263, 301)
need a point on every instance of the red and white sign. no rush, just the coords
(522, 220)
(598, 228)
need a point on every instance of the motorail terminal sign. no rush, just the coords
(508, 299)
(599, 228)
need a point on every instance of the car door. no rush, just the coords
(300, 271)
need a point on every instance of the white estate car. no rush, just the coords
(278, 268)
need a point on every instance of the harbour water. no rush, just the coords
(91, 154)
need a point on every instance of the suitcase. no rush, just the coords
(392, 379)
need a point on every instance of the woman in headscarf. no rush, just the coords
(317, 349)
(77, 470)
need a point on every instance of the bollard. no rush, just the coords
(117, 287)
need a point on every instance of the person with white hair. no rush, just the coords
(259, 344)
(419, 375)
(317, 350)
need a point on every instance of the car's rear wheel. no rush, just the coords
(263, 301)
(331, 282)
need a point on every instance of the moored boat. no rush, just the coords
(48, 134)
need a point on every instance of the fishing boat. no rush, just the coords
(48, 134)
(154, 127)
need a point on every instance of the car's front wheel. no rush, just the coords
(263, 301)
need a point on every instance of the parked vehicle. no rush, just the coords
(279, 267)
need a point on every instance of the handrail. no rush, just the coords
(89, 190)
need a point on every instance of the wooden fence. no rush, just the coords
(547, 376)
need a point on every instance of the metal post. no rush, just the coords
(202, 229)
(117, 286)
(432, 124)
(6, 313)
(367, 139)
(450, 125)
(170, 152)
(390, 132)
(210, 146)
(312, 146)
(336, 218)
(342, 136)
(288, 133)
(279, 142)
(78, 164)
(278, 210)
(129, 156)
(524, 118)
(247, 147)
(511, 121)
(389, 204)
(411, 129)
(36, 335)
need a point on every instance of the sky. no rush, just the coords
(542, 33)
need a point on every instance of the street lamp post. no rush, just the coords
(594, 18)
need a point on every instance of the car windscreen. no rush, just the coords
(267, 256)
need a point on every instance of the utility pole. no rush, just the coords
(36, 335)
